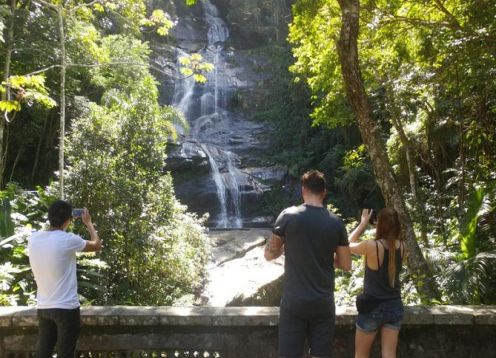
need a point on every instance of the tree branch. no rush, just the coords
(392, 18)
(91, 3)
(453, 20)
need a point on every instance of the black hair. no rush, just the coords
(59, 212)
(314, 181)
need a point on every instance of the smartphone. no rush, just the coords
(77, 213)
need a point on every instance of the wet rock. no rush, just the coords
(258, 222)
(199, 194)
(187, 156)
(238, 266)
(268, 175)
(267, 295)
(256, 22)
(230, 244)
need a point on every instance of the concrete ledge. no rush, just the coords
(247, 332)
(11, 317)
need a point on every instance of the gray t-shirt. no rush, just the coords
(311, 235)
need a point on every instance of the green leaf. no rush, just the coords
(200, 78)
(469, 224)
(98, 7)
(186, 71)
(10, 106)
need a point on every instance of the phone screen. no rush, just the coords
(77, 213)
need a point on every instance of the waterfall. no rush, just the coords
(212, 111)
(183, 90)
(223, 220)
(217, 29)
(233, 186)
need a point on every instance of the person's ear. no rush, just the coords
(67, 223)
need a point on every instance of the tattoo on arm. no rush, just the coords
(274, 247)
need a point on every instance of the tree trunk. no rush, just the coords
(6, 96)
(63, 65)
(355, 90)
(16, 160)
(462, 158)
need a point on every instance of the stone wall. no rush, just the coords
(239, 332)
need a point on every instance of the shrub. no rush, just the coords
(156, 252)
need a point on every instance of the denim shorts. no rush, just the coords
(388, 314)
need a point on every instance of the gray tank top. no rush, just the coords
(376, 282)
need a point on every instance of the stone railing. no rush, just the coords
(242, 332)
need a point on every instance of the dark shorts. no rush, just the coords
(388, 314)
(294, 327)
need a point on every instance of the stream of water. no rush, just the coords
(213, 111)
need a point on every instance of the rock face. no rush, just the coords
(238, 269)
(218, 165)
(256, 23)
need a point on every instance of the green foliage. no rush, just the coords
(428, 68)
(155, 251)
(468, 232)
(160, 20)
(27, 89)
(20, 211)
(193, 65)
(355, 158)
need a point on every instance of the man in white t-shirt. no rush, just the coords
(52, 256)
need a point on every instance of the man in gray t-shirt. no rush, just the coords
(314, 242)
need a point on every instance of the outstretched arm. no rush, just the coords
(274, 248)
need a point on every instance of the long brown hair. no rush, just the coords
(388, 229)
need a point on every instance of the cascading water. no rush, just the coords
(212, 111)
(184, 89)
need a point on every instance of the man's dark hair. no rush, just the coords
(59, 212)
(314, 181)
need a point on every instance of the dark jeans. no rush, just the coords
(61, 327)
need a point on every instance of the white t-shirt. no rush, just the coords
(52, 255)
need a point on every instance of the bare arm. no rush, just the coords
(361, 247)
(274, 248)
(342, 258)
(94, 244)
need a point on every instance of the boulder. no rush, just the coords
(238, 267)
(273, 175)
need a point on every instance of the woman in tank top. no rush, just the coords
(380, 307)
